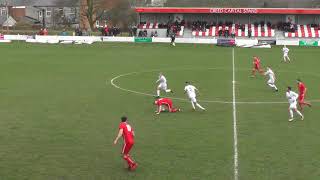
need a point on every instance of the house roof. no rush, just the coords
(2, 19)
(56, 3)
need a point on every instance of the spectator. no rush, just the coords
(64, 33)
(155, 34)
(249, 33)
(145, 33)
(45, 32)
(226, 32)
(84, 32)
(233, 33)
(106, 30)
(41, 32)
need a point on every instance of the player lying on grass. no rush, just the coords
(191, 92)
(256, 66)
(302, 94)
(126, 131)
(162, 85)
(292, 99)
(165, 104)
(272, 78)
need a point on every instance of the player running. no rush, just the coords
(285, 51)
(126, 131)
(292, 99)
(191, 92)
(302, 94)
(256, 66)
(162, 85)
(272, 78)
(165, 104)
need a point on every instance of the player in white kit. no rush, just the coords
(272, 78)
(285, 51)
(191, 92)
(292, 99)
(162, 85)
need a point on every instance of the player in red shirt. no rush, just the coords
(302, 94)
(165, 103)
(256, 66)
(126, 131)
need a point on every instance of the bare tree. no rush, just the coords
(94, 9)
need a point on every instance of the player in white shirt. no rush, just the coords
(285, 51)
(162, 85)
(292, 99)
(191, 92)
(272, 78)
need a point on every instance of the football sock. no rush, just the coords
(291, 113)
(288, 59)
(168, 90)
(298, 112)
(200, 106)
(193, 105)
(158, 92)
(128, 159)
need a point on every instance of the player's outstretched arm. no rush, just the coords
(118, 136)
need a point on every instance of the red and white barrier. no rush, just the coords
(304, 31)
(256, 31)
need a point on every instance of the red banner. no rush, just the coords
(230, 10)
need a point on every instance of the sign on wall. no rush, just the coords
(308, 43)
(143, 39)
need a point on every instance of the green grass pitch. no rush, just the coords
(60, 113)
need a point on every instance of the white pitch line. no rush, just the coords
(235, 133)
(112, 82)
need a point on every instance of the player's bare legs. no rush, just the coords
(253, 74)
(301, 104)
(261, 71)
(167, 90)
(273, 86)
(198, 105)
(291, 114)
(286, 58)
(131, 164)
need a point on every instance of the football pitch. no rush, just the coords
(60, 107)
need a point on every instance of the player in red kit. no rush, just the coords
(165, 103)
(126, 131)
(256, 66)
(302, 94)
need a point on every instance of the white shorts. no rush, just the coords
(162, 86)
(271, 81)
(293, 105)
(285, 55)
(193, 98)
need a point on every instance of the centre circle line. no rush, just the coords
(113, 80)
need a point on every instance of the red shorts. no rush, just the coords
(301, 98)
(257, 67)
(127, 147)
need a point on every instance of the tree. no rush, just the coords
(92, 10)
(122, 14)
